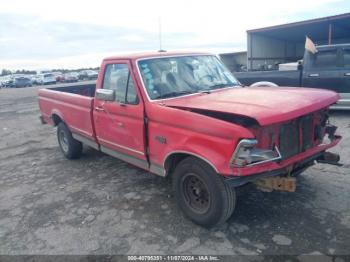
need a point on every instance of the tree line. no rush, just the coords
(6, 72)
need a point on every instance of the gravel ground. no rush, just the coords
(100, 205)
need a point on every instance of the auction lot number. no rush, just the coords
(173, 258)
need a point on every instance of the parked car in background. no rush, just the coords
(33, 78)
(71, 77)
(58, 76)
(326, 68)
(10, 81)
(21, 81)
(88, 75)
(3, 81)
(46, 79)
(36, 79)
(16, 81)
(7, 81)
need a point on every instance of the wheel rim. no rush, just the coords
(196, 193)
(63, 141)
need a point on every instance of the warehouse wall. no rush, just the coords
(234, 61)
(265, 52)
(334, 41)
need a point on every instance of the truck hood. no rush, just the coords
(267, 105)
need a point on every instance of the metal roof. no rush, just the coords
(315, 28)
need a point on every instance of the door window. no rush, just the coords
(346, 53)
(118, 78)
(326, 59)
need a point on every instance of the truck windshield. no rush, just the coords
(174, 76)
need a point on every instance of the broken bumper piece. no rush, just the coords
(286, 172)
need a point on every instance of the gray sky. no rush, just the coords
(55, 34)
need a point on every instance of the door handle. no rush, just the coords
(347, 74)
(120, 124)
(314, 75)
(100, 109)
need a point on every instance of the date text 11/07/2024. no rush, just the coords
(173, 258)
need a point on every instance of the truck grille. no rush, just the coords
(289, 139)
(306, 125)
(289, 133)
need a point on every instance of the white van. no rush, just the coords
(46, 79)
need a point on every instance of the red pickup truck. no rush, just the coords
(184, 115)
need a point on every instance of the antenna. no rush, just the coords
(160, 34)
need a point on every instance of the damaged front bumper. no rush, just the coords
(288, 167)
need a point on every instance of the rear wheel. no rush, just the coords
(202, 194)
(70, 147)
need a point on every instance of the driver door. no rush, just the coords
(119, 124)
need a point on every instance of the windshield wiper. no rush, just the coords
(219, 86)
(205, 91)
(172, 94)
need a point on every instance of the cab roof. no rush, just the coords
(154, 54)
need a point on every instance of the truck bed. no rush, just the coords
(73, 104)
(84, 90)
(281, 78)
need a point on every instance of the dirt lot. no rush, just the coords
(100, 205)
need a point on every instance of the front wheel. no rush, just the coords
(70, 147)
(202, 194)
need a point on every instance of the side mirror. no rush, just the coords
(105, 94)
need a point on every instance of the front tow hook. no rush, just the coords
(329, 158)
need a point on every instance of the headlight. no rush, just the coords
(247, 154)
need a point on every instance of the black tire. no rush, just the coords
(70, 147)
(217, 200)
